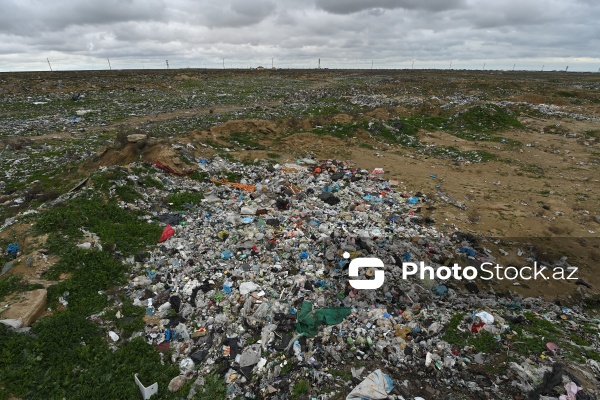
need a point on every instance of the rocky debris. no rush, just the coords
(26, 307)
(136, 137)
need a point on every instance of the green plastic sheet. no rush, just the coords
(309, 320)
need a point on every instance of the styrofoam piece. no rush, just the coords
(149, 391)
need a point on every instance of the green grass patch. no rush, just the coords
(480, 123)
(404, 130)
(199, 176)
(300, 388)
(214, 388)
(556, 129)
(593, 133)
(183, 200)
(338, 130)
(132, 319)
(150, 181)
(454, 153)
(66, 354)
(564, 93)
(67, 357)
(532, 337)
(127, 193)
(111, 223)
(245, 140)
(482, 341)
(342, 374)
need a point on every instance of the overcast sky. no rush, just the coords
(82, 34)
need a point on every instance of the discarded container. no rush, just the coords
(147, 392)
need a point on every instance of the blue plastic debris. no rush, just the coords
(226, 255)
(304, 255)
(226, 289)
(13, 249)
(413, 200)
(406, 256)
(468, 251)
(440, 290)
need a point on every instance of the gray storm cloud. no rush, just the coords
(352, 33)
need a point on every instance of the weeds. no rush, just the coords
(214, 388)
(482, 341)
(14, 283)
(300, 388)
(245, 140)
(454, 153)
(485, 118)
(106, 219)
(66, 356)
(183, 200)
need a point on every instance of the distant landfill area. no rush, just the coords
(186, 234)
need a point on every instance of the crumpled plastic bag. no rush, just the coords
(247, 287)
(485, 317)
(167, 233)
(572, 390)
(309, 320)
(376, 385)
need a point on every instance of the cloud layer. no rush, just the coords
(81, 34)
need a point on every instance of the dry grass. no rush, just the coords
(473, 216)
(560, 230)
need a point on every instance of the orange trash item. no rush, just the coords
(248, 188)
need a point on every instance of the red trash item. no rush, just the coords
(167, 233)
(170, 170)
(477, 327)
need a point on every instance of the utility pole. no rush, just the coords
(272, 65)
(109, 67)
(167, 64)
(413, 65)
(371, 64)
(567, 68)
(543, 68)
(483, 67)
(514, 66)
(319, 63)
(223, 63)
(450, 64)
(49, 64)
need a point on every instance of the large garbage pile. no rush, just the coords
(251, 284)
